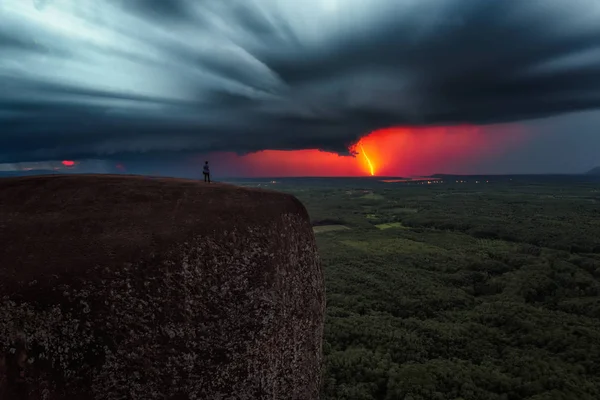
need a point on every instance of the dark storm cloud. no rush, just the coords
(113, 78)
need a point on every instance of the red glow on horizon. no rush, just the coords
(402, 151)
(68, 163)
(426, 151)
(297, 163)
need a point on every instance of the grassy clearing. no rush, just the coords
(329, 228)
(390, 225)
(393, 246)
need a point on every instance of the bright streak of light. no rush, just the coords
(371, 168)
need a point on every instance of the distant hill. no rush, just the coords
(590, 176)
(9, 174)
(593, 171)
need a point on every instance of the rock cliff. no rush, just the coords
(116, 287)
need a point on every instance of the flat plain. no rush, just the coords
(483, 289)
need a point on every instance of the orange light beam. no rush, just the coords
(362, 150)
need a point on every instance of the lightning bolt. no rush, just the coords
(362, 150)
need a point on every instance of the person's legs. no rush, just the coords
(205, 177)
(208, 175)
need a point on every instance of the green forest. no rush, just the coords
(459, 291)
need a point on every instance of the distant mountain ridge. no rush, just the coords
(593, 171)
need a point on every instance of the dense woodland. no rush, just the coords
(459, 291)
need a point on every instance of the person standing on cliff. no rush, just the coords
(206, 172)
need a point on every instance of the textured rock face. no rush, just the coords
(136, 288)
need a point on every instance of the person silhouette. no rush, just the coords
(206, 172)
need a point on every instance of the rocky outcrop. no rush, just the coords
(117, 287)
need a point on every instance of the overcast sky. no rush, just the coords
(161, 79)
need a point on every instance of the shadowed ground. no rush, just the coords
(133, 287)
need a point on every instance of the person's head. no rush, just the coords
(205, 162)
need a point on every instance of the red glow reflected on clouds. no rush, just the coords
(425, 151)
(68, 163)
(391, 151)
(295, 163)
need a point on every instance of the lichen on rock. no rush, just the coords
(136, 288)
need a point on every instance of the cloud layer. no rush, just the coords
(140, 78)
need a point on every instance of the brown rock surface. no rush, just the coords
(116, 287)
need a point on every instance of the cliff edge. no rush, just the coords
(121, 287)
